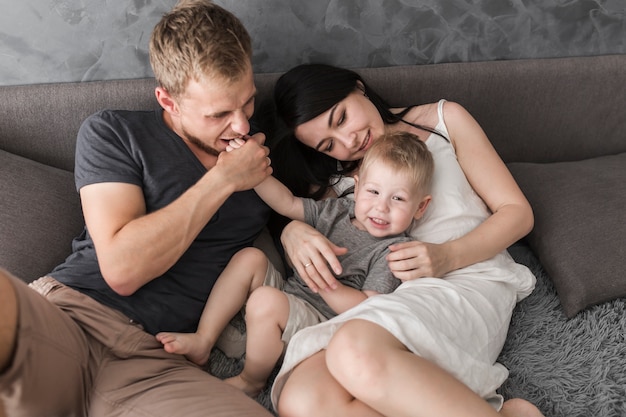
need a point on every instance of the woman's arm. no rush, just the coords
(512, 216)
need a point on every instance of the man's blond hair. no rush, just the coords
(405, 153)
(197, 40)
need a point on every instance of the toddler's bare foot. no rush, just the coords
(250, 388)
(516, 407)
(188, 344)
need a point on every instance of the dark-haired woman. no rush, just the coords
(430, 348)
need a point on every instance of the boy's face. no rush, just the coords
(386, 201)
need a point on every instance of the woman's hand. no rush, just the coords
(411, 260)
(311, 253)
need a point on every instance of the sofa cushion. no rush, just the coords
(39, 214)
(580, 226)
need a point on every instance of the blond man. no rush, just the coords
(159, 195)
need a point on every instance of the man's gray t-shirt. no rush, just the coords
(364, 266)
(136, 147)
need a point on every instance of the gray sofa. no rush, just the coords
(559, 124)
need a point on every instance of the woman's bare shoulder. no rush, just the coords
(423, 114)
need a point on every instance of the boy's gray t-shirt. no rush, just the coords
(364, 266)
(136, 147)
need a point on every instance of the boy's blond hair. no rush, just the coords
(197, 40)
(406, 153)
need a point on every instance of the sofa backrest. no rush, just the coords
(535, 110)
(41, 121)
(532, 110)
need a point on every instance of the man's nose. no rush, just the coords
(240, 123)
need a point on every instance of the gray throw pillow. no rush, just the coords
(580, 226)
(40, 214)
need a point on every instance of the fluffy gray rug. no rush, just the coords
(568, 368)
(223, 367)
(573, 368)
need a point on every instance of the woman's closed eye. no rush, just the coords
(342, 118)
(329, 146)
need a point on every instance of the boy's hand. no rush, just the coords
(235, 144)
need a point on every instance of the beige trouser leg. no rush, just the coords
(77, 357)
(8, 323)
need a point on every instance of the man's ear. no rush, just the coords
(421, 209)
(166, 100)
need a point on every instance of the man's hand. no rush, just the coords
(246, 162)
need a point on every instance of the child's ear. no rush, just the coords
(421, 209)
(356, 185)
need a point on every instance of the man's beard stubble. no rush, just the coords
(201, 145)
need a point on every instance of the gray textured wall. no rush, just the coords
(72, 40)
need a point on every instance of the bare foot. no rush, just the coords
(189, 344)
(516, 407)
(250, 388)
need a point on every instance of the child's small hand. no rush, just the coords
(235, 144)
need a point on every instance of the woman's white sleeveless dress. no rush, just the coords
(460, 321)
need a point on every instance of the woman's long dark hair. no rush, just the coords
(300, 95)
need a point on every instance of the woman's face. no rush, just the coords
(346, 130)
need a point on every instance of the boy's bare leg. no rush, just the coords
(244, 273)
(8, 321)
(266, 316)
